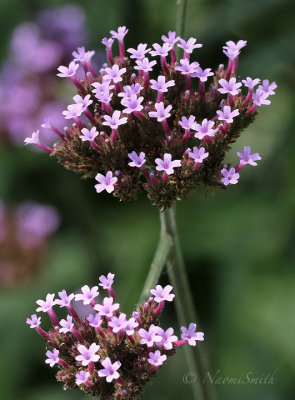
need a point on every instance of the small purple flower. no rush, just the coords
(260, 97)
(167, 164)
(171, 39)
(107, 307)
(187, 123)
(232, 50)
(88, 135)
(132, 104)
(86, 101)
(82, 378)
(227, 115)
(162, 294)
(250, 83)
(190, 335)
(87, 294)
(120, 34)
(46, 305)
(66, 325)
(114, 121)
(248, 158)
(187, 68)
(229, 177)
(108, 42)
(156, 358)
(73, 111)
(161, 112)
(136, 161)
(204, 129)
(230, 86)
(104, 97)
(161, 85)
(110, 370)
(202, 74)
(52, 357)
(118, 323)
(149, 337)
(128, 91)
(102, 87)
(130, 326)
(87, 356)
(107, 281)
(114, 73)
(144, 65)
(105, 182)
(34, 321)
(67, 72)
(34, 139)
(189, 45)
(162, 51)
(94, 320)
(65, 299)
(268, 88)
(168, 338)
(198, 154)
(140, 52)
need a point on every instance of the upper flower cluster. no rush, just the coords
(107, 354)
(132, 132)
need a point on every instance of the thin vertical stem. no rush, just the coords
(181, 16)
(196, 358)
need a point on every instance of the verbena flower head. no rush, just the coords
(158, 115)
(107, 354)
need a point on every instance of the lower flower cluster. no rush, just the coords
(107, 354)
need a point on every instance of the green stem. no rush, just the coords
(197, 361)
(181, 10)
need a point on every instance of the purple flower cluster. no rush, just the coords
(27, 86)
(121, 114)
(108, 354)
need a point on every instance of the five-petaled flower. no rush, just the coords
(198, 154)
(46, 305)
(167, 165)
(149, 337)
(52, 357)
(248, 158)
(162, 294)
(88, 134)
(168, 338)
(204, 129)
(190, 335)
(106, 182)
(67, 72)
(230, 177)
(161, 112)
(227, 115)
(114, 121)
(106, 281)
(87, 295)
(89, 355)
(110, 370)
(230, 86)
(136, 160)
(107, 308)
(156, 358)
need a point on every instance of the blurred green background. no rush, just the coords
(238, 244)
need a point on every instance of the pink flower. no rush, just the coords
(118, 323)
(144, 65)
(198, 154)
(190, 335)
(34, 321)
(110, 369)
(204, 129)
(248, 158)
(168, 338)
(114, 73)
(162, 294)
(108, 42)
(135, 88)
(250, 83)
(73, 111)
(105, 182)
(86, 101)
(229, 177)
(107, 308)
(87, 356)
(120, 33)
(187, 68)
(114, 121)
(102, 87)
(136, 161)
(230, 86)
(156, 358)
(46, 305)
(67, 72)
(82, 378)
(140, 52)
(52, 357)
(107, 282)
(88, 134)
(65, 299)
(187, 123)
(161, 85)
(149, 337)
(161, 112)
(171, 38)
(66, 325)
(260, 97)
(34, 139)
(167, 164)
(232, 50)
(130, 326)
(87, 294)
(94, 320)
(227, 115)
(189, 45)
(202, 74)
(268, 88)
(132, 104)
(162, 51)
